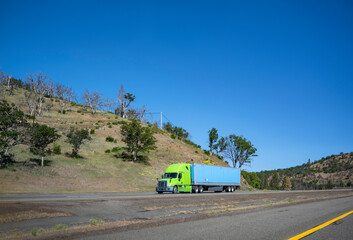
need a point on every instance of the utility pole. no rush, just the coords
(161, 121)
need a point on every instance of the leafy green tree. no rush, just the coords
(274, 183)
(40, 137)
(251, 178)
(137, 138)
(286, 185)
(76, 138)
(168, 127)
(13, 125)
(212, 138)
(220, 146)
(239, 150)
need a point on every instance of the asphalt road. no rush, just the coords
(268, 223)
(27, 197)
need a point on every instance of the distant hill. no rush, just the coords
(101, 168)
(328, 172)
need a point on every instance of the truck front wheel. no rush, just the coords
(175, 189)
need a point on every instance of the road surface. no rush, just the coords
(274, 223)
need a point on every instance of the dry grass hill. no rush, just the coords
(329, 172)
(98, 170)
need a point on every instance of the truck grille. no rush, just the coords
(162, 184)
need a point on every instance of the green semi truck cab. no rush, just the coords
(185, 177)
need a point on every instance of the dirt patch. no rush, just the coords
(27, 215)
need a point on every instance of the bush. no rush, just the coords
(79, 111)
(251, 178)
(116, 149)
(206, 152)
(115, 123)
(107, 151)
(172, 136)
(60, 226)
(57, 149)
(92, 131)
(110, 126)
(109, 139)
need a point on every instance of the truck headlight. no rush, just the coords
(169, 185)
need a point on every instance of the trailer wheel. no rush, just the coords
(232, 188)
(175, 189)
(200, 189)
(228, 189)
(196, 189)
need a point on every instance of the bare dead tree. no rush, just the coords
(94, 100)
(50, 88)
(31, 102)
(125, 99)
(65, 94)
(110, 104)
(48, 105)
(143, 112)
(37, 83)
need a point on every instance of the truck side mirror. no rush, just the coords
(180, 175)
(157, 179)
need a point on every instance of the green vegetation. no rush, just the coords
(251, 178)
(137, 138)
(13, 125)
(40, 137)
(76, 138)
(60, 226)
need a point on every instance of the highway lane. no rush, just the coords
(33, 197)
(268, 223)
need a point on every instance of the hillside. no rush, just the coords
(99, 170)
(329, 172)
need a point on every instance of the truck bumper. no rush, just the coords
(164, 189)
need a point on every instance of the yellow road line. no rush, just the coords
(304, 234)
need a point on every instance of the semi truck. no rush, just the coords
(196, 178)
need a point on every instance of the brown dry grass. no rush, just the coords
(27, 215)
(97, 171)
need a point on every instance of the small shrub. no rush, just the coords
(116, 149)
(206, 152)
(34, 231)
(110, 126)
(79, 111)
(57, 149)
(93, 221)
(107, 151)
(109, 139)
(81, 122)
(97, 127)
(115, 123)
(115, 141)
(60, 226)
(172, 136)
(57, 100)
(92, 131)
(196, 152)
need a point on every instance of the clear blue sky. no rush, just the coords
(280, 73)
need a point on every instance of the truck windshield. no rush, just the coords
(170, 175)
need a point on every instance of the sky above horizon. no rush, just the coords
(279, 73)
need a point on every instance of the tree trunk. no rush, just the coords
(134, 155)
(42, 161)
